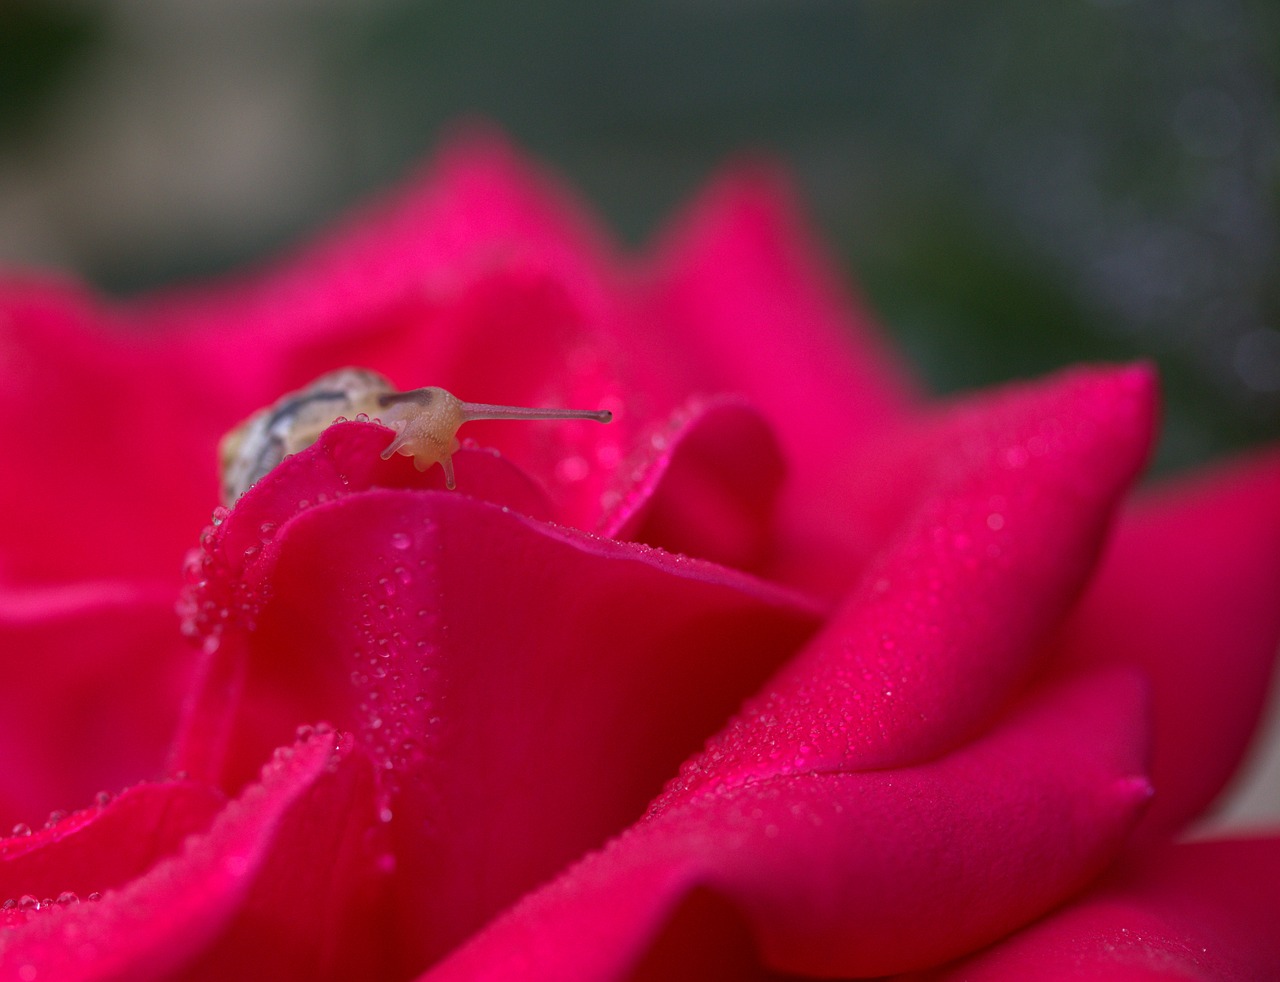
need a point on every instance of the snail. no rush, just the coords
(426, 422)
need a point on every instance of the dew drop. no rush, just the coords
(9, 904)
(22, 828)
(401, 540)
(68, 897)
(28, 902)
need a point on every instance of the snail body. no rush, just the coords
(425, 421)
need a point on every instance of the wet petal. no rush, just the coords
(482, 657)
(704, 485)
(841, 874)
(247, 897)
(1204, 910)
(740, 299)
(1188, 591)
(105, 846)
(952, 616)
(94, 675)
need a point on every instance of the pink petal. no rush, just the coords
(246, 899)
(951, 617)
(109, 430)
(482, 657)
(1189, 592)
(741, 300)
(103, 847)
(705, 485)
(93, 677)
(840, 874)
(750, 304)
(1204, 910)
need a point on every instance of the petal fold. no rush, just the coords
(245, 899)
(854, 874)
(480, 656)
(1188, 592)
(1204, 911)
(105, 846)
(704, 485)
(738, 298)
(94, 675)
(952, 617)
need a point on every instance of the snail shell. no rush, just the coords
(292, 423)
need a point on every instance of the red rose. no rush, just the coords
(785, 670)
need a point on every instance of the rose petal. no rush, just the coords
(79, 422)
(751, 304)
(482, 654)
(1204, 910)
(1189, 592)
(103, 847)
(705, 486)
(740, 299)
(94, 674)
(855, 874)
(949, 620)
(247, 898)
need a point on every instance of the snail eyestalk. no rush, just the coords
(479, 410)
(426, 422)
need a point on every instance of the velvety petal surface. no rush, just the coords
(248, 898)
(102, 847)
(494, 665)
(741, 292)
(739, 299)
(1189, 592)
(950, 618)
(705, 484)
(1202, 911)
(94, 675)
(854, 874)
(106, 439)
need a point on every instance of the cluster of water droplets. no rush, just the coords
(215, 592)
(29, 903)
(67, 898)
(394, 661)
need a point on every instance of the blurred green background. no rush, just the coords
(1015, 186)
